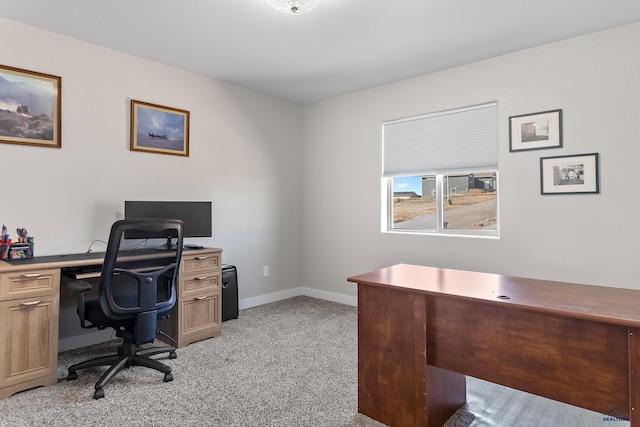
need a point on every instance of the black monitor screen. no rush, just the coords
(196, 216)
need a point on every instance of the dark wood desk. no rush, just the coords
(421, 329)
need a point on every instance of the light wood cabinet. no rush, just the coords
(30, 301)
(197, 314)
(29, 317)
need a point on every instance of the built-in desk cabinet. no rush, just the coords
(197, 314)
(29, 313)
(28, 329)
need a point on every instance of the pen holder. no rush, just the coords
(16, 251)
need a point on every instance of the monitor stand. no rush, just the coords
(167, 246)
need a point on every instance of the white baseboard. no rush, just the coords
(329, 296)
(267, 298)
(290, 293)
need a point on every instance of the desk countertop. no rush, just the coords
(82, 259)
(599, 303)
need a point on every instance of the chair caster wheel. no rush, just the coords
(173, 355)
(168, 377)
(72, 376)
(99, 394)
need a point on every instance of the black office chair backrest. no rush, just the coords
(140, 294)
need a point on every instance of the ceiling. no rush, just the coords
(340, 47)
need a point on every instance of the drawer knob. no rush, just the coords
(203, 297)
(31, 275)
(30, 303)
(202, 278)
(202, 257)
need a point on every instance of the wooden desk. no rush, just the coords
(30, 300)
(421, 329)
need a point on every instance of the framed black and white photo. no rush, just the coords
(30, 105)
(159, 129)
(535, 131)
(572, 174)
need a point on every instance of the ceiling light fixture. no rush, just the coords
(293, 7)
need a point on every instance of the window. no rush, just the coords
(440, 172)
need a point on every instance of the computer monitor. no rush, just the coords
(196, 217)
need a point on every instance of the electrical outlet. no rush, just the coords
(265, 271)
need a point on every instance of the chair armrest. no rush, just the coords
(81, 286)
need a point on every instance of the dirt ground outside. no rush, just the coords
(406, 209)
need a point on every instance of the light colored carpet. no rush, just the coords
(289, 363)
(494, 405)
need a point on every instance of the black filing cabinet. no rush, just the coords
(229, 292)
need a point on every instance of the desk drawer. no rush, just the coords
(193, 262)
(196, 284)
(27, 283)
(199, 318)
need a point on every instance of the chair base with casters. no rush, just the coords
(128, 355)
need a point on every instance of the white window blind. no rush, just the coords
(464, 139)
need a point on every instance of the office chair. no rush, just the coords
(131, 299)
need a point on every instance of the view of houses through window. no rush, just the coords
(446, 202)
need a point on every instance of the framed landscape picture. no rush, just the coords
(535, 131)
(30, 105)
(569, 174)
(159, 129)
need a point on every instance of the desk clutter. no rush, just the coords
(22, 249)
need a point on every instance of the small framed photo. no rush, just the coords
(159, 129)
(30, 106)
(571, 174)
(535, 131)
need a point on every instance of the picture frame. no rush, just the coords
(159, 129)
(570, 174)
(30, 108)
(535, 131)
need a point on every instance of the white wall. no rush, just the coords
(590, 239)
(249, 152)
(245, 157)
